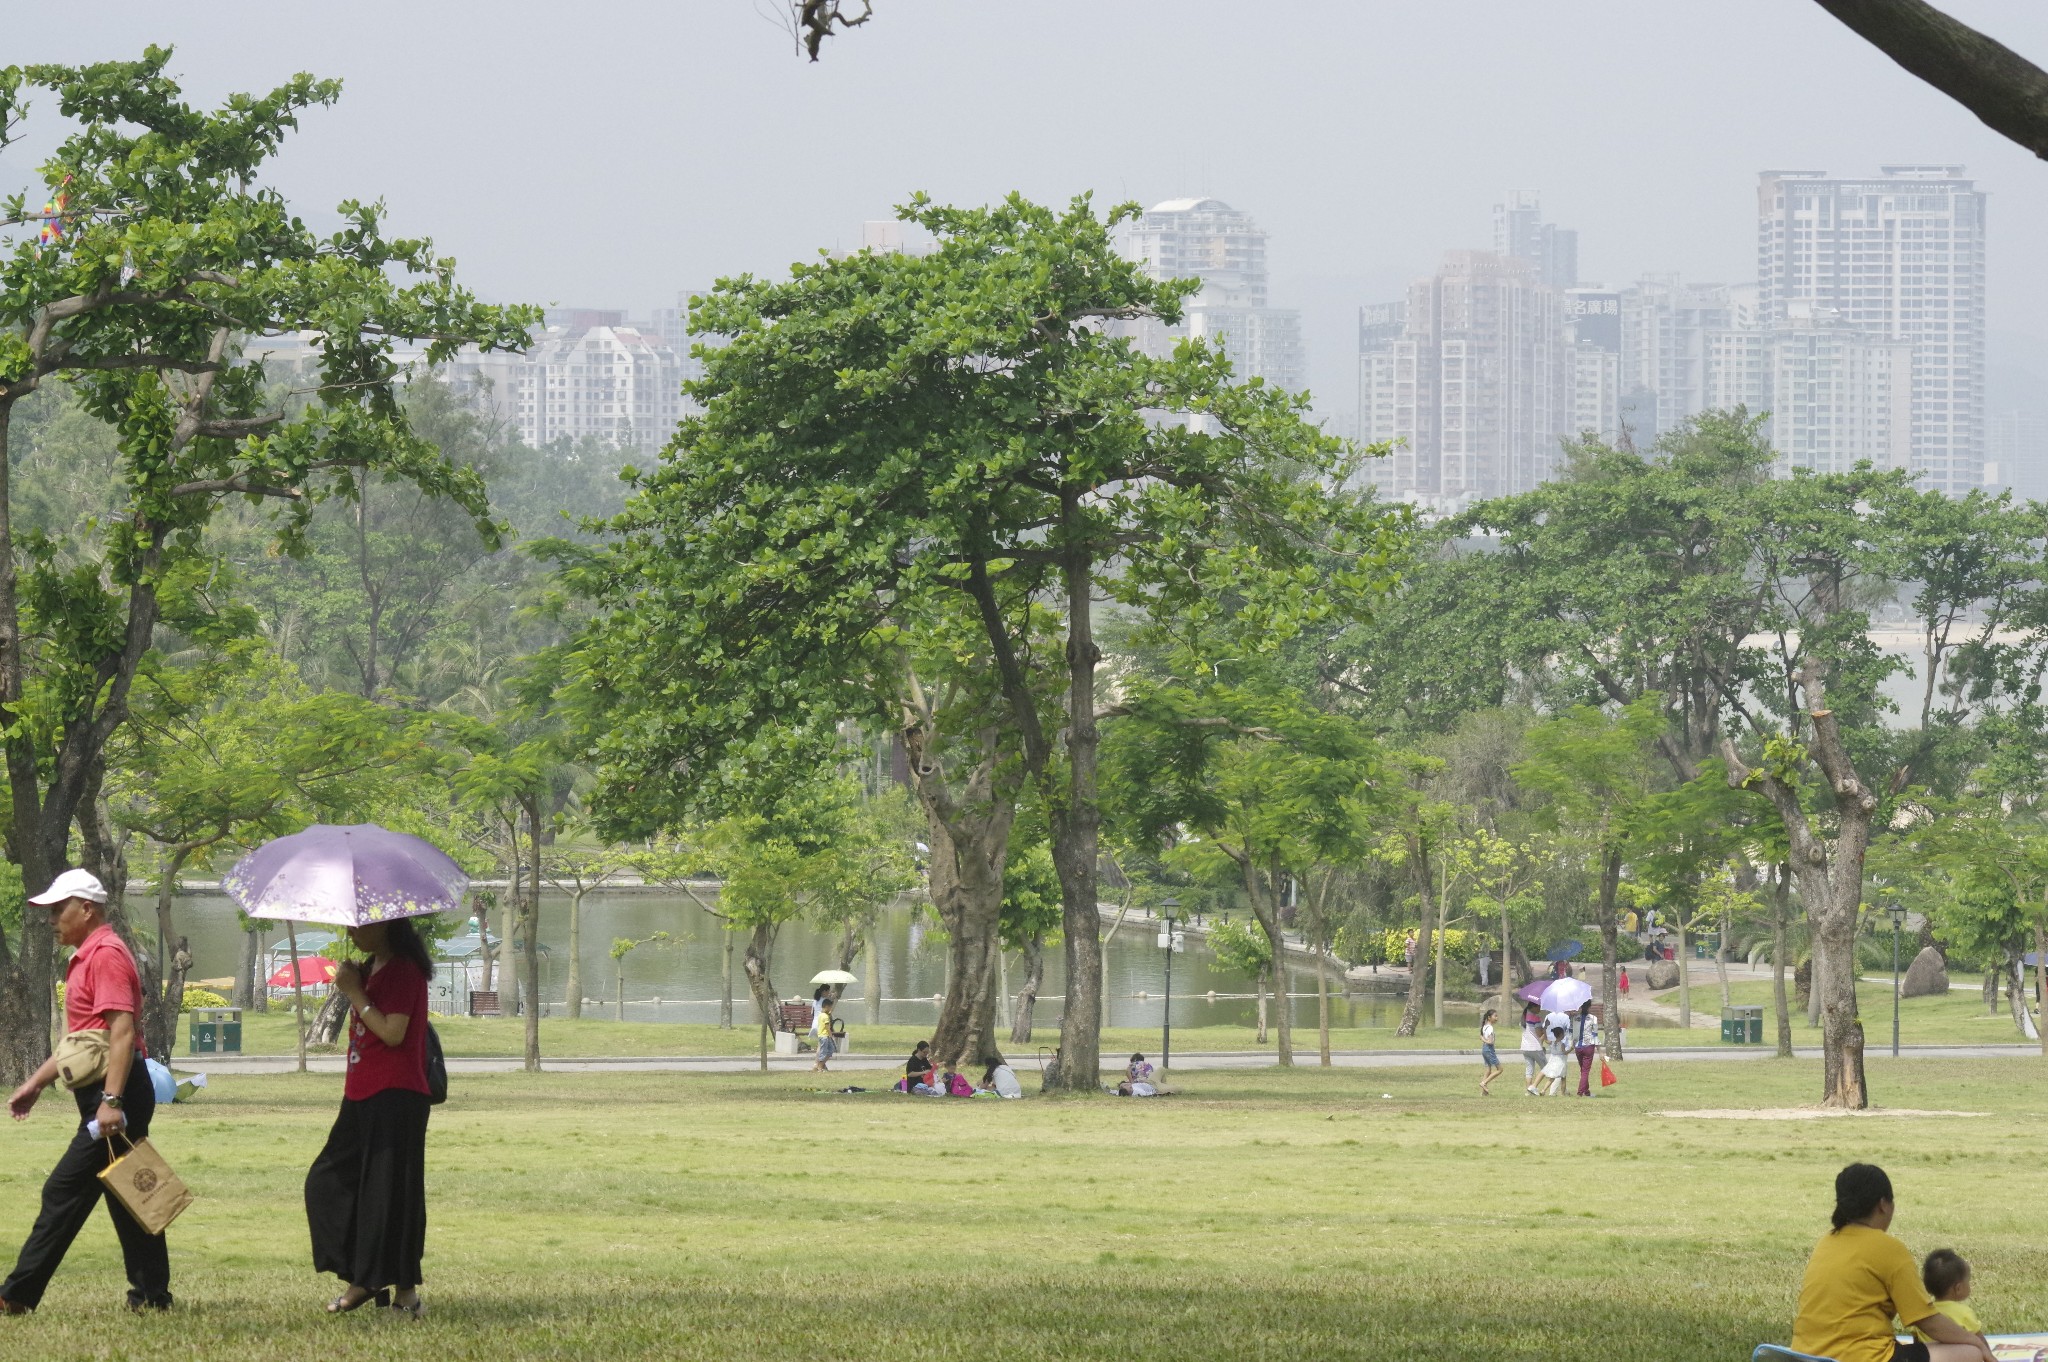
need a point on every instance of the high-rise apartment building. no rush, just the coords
(612, 382)
(1899, 256)
(2016, 446)
(1477, 386)
(1207, 239)
(1520, 231)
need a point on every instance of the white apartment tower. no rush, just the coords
(1899, 256)
(608, 381)
(1476, 385)
(1207, 239)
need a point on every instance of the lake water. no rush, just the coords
(680, 981)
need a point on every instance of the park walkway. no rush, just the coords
(860, 1064)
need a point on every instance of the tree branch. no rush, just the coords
(2007, 93)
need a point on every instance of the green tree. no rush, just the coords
(1272, 786)
(165, 250)
(230, 753)
(1596, 772)
(884, 431)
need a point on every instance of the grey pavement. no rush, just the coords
(227, 1065)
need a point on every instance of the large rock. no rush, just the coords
(1927, 975)
(1661, 974)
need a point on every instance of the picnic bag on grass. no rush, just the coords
(145, 1184)
(1607, 1078)
(437, 1069)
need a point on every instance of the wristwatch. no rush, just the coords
(111, 1099)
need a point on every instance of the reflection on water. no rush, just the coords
(680, 981)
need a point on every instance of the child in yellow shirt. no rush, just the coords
(1946, 1275)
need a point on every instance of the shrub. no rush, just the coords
(1390, 946)
(201, 997)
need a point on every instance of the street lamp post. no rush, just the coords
(1898, 917)
(1168, 908)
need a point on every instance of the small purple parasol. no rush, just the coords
(345, 876)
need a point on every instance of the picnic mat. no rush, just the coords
(2019, 1347)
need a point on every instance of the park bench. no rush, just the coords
(483, 1002)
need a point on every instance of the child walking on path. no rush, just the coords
(1487, 1054)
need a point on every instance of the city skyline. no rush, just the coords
(1364, 159)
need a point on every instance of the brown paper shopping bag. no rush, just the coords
(140, 1180)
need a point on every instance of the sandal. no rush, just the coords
(417, 1308)
(341, 1304)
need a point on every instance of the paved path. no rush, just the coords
(225, 1065)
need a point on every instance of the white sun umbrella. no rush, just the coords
(1565, 995)
(833, 976)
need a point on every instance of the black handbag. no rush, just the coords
(437, 1069)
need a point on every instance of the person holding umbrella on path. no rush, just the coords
(366, 1193)
(101, 994)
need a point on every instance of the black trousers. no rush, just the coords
(74, 1188)
(366, 1195)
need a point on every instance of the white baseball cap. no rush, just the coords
(73, 884)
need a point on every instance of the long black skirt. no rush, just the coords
(366, 1195)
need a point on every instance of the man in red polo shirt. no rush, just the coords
(101, 993)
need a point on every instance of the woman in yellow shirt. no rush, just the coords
(1859, 1277)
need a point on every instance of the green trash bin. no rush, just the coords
(1752, 1022)
(1731, 1027)
(215, 1031)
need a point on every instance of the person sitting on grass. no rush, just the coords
(1860, 1276)
(1001, 1080)
(1946, 1275)
(918, 1071)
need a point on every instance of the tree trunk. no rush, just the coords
(1323, 1007)
(485, 952)
(619, 989)
(969, 852)
(725, 981)
(1813, 985)
(325, 1028)
(1684, 975)
(1259, 988)
(1264, 893)
(247, 986)
(1721, 958)
(531, 806)
(872, 989)
(2016, 997)
(1076, 817)
(2007, 93)
(1418, 857)
(1027, 996)
(2040, 982)
(1990, 991)
(1606, 916)
(1437, 984)
(572, 992)
(1830, 875)
(1780, 924)
(1506, 1006)
(509, 909)
(756, 963)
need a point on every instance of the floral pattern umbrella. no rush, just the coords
(346, 876)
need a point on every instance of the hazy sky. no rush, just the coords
(610, 154)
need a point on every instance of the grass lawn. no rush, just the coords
(1258, 1215)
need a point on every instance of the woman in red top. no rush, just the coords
(366, 1195)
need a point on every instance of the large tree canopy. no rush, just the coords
(888, 441)
(159, 256)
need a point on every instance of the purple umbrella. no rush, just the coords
(346, 876)
(1532, 991)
